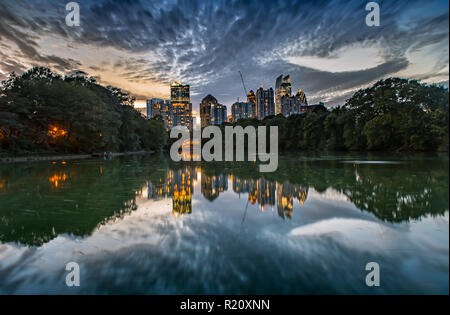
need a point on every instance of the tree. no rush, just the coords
(42, 112)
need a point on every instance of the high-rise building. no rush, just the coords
(278, 93)
(301, 97)
(293, 105)
(218, 114)
(265, 105)
(151, 103)
(241, 110)
(225, 114)
(149, 109)
(211, 112)
(282, 88)
(251, 99)
(181, 105)
(205, 109)
(158, 107)
(166, 111)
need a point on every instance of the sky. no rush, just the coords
(140, 46)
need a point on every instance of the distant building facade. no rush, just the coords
(251, 99)
(282, 88)
(150, 104)
(158, 107)
(241, 110)
(181, 105)
(265, 105)
(218, 114)
(295, 104)
(205, 109)
(211, 112)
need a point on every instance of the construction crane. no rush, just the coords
(243, 84)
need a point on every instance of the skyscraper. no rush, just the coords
(282, 88)
(205, 109)
(181, 105)
(211, 112)
(301, 97)
(265, 105)
(296, 104)
(278, 92)
(251, 99)
(241, 110)
(218, 114)
(150, 102)
(166, 111)
(159, 107)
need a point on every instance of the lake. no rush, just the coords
(144, 224)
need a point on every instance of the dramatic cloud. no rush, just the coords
(141, 46)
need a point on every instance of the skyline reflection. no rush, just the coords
(131, 220)
(179, 186)
(40, 201)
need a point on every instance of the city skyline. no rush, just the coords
(141, 46)
(260, 105)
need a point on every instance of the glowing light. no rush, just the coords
(2, 185)
(55, 179)
(56, 132)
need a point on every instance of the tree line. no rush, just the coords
(43, 112)
(392, 115)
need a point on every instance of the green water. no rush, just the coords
(144, 224)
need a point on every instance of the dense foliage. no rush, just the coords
(43, 112)
(394, 114)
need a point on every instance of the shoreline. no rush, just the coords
(35, 158)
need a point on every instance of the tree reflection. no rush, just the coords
(405, 189)
(41, 200)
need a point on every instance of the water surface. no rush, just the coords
(144, 224)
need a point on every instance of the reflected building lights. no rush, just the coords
(212, 186)
(56, 179)
(179, 186)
